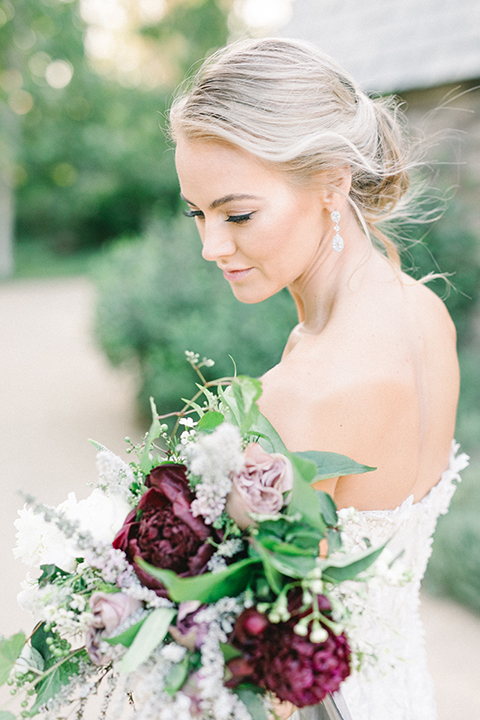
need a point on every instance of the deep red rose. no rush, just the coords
(163, 531)
(290, 666)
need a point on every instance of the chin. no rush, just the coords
(251, 296)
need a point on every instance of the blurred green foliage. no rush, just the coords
(449, 246)
(157, 298)
(88, 160)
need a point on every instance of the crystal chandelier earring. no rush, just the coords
(337, 242)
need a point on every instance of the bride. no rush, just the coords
(287, 168)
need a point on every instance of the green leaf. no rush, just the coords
(39, 642)
(206, 588)
(334, 540)
(127, 637)
(151, 634)
(268, 437)
(327, 507)
(304, 499)
(305, 539)
(51, 573)
(177, 676)
(10, 649)
(339, 571)
(229, 652)
(50, 686)
(272, 572)
(5, 715)
(330, 465)
(232, 414)
(153, 433)
(98, 446)
(246, 391)
(293, 566)
(288, 548)
(210, 421)
(251, 696)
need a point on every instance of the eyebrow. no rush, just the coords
(225, 199)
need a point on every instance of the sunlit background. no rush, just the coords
(102, 287)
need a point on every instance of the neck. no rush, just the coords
(333, 275)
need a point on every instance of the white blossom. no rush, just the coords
(214, 458)
(115, 475)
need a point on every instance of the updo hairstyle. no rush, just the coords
(295, 108)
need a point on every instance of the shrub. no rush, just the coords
(158, 298)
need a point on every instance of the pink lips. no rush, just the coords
(233, 275)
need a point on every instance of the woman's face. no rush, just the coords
(261, 231)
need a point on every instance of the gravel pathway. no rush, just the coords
(57, 390)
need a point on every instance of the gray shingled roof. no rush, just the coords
(394, 45)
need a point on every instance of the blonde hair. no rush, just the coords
(295, 108)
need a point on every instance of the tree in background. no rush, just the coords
(90, 160)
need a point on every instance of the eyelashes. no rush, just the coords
(238, 219)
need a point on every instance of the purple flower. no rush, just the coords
(109, 611)
(163, 531)
(290, 666)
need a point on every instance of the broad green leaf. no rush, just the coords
(306, 539)
(10, 649)
(270, 568)
(330, 465)
(51, 573)
(268, 437)
(339, 571)
(327, 507)
(39, 642)
(206, 588)
(177, 676)
(288, 548)
(50, 686)
(251, 696)
(127, 637)
(292, 566)
(151, 634)
(246, 391)
(153, 433)
(229, 652)
(304, 499)
(230, 405)
(210, 421)
(5, 715)
(334, 540)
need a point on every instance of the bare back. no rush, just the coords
(379, 383)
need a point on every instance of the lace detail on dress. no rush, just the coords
(397, 686)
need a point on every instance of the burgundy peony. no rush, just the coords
(163, 531)
(290, 666)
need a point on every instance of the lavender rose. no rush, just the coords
(163, 531)
(110, 610)
(260, 486)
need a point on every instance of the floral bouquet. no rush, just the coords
(199, 581)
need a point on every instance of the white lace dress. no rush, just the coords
(397, 686)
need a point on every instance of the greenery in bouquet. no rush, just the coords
(199, 581)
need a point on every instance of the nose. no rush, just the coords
(217, 243)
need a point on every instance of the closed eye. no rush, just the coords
(193, 213)
(240, 218)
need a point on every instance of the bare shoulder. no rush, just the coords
(430, 309)
(366, 416)
(338, 401)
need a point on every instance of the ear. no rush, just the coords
(337, 188)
